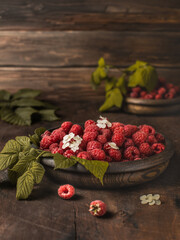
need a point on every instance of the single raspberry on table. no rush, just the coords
(69, 153)
(76, 129)
(134, 95)
(116, 124)
(128, 142)
(88, 123)
(66, 126)
(131, 153)
(46, 133)
(151, 139)
(102, 139)
(45, 142)
(115, 154)
(53, 145)
(91, 128)
(158, 147)
(129, 130)
(147, 129)
(93, 145)
(90, 136)
(98, 154)
(66, 191)
(145, 149)
(57, 150)
(118, 139)
(57, 135)
(139, 137)
(97, 208)
(84, 155)
(160, 138)
(106, 132)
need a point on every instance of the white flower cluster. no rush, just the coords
(71, 141)
(113, 145)
(102, 122)
(150, 199)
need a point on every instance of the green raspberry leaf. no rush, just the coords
(4, 95)
(26, 93)
(25, 185)
(101, 62)
(48, 115)
(11, 146)
(62, 162)
(24, 141)
(121, 83)
(134, 67)
(22, 165)
(36, 137)
(27, 102)
(97, 168)
(7, 159)
(37, 170)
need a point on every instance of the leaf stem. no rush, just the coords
(39, 155)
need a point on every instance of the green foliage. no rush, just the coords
(21, 107)
(139, 74)
(35, 138)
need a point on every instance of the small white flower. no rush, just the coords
(113, 145)
(102, 122)
(68, 137)
(72, 142)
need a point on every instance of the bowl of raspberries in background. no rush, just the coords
(164, 99)
(135, 154)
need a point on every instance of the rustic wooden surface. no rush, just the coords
(54, 46)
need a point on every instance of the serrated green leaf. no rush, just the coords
(22, 165)
(36, 137)
(37, 170)
(101, 62)
(95, 78)
(4, 95)
(97, 168)
(25, 185)
(47, 154)
(24, 141)
(134, 67)
(4, 104)
(26, 93)
(62, 162)
(121, 83)
(27, 102)
(11, 147)
(48, 115)
(7, 159)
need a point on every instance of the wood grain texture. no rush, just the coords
(88, 15)
(84, 48)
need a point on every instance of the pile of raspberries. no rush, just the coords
(163, 91)
(111, 142)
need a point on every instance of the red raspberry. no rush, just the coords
(128, 142)
(57, 135)
(108, 159)
(97, 208)
(45, 142)
(102, 139)
(129, 130)
(66, 191)
(91, 128)
(134, 95)
(106, 132)
(169, 85)
(93, 145)
(106, 147)
(84, 155)
(66, 126)
(57, 150)
(160, 138)
(161, 91)
(176, 89)
(162, 80)
(53, 145)
(139, 137)
(153, 93)
(172, 90)
(119, 129)
(143, 94)
(83, 145)
(148, 96)
(145, 149)
(118, 139)
(76, 129)
(158, 147)
(136, 89)
(90, 136)
(116, 124)
(98, 154)
(137, 159)
(69, 153)
(131, 153)
(46, 133)
(169, 95)
(147, 129)
(115, 154)
(88, 123)
(158, 96)
(151, 139)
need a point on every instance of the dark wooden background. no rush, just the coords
(54, 46)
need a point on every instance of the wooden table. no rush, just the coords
(54, 46)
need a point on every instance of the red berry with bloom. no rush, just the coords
(98, 154)
(129, 130)
(97, 208)
(84, 155)
(91, 128)
(147, 129)
(93, 145)
(158, 147)
(160, 138)
(115, 154)
(102, 139)
(128, 142)
(88, 123)
(76, 129)
(131, 153)
(139, 137)
(69, 153)
(66, 126)
(90, 136)
(145, 149)
(66, 191)
(118, 139)
(45, 142)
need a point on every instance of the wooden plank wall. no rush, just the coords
(37, 36)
